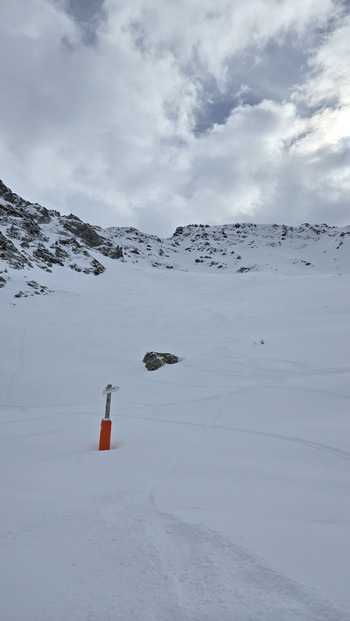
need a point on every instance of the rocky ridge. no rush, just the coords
(33, 236)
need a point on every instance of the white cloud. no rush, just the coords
(107, 130)
(330, 68)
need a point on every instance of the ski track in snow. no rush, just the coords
(308, 443)
(115, 556)
(203, 575)
(11, 387)
(150, 566)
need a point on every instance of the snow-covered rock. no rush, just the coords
(31, 235)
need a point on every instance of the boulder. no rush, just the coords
(154, 360)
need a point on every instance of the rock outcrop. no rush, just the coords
(32, 236)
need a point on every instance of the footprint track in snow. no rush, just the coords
(167, 569)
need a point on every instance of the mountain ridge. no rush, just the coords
(33, 236)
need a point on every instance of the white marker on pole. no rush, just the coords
(109, 388)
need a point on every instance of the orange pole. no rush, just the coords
(105, 434)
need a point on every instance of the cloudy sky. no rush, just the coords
(157, 113)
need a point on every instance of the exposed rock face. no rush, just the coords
(33, 236)
(116, 253)
(154, 360)
(45, 256)
(10, 196)
(11, 255)
(84, 231)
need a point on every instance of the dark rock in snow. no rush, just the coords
(36, 289)
(154, 360)
(44, 255)
(97, 267)
(116, 253)
(10, 254)
(84, 231)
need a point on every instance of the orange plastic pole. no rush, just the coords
(105, 434)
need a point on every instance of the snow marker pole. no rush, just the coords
(105, 434)
(106, 423)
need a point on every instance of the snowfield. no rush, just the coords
(226, 496)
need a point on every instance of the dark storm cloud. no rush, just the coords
(88, 15)
(268, 73)
(85, 10)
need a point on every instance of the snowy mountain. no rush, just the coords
(226, 495)
(31, 235)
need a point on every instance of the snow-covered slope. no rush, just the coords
(226, 495)
(31, 235)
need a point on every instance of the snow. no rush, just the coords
(226, 494)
